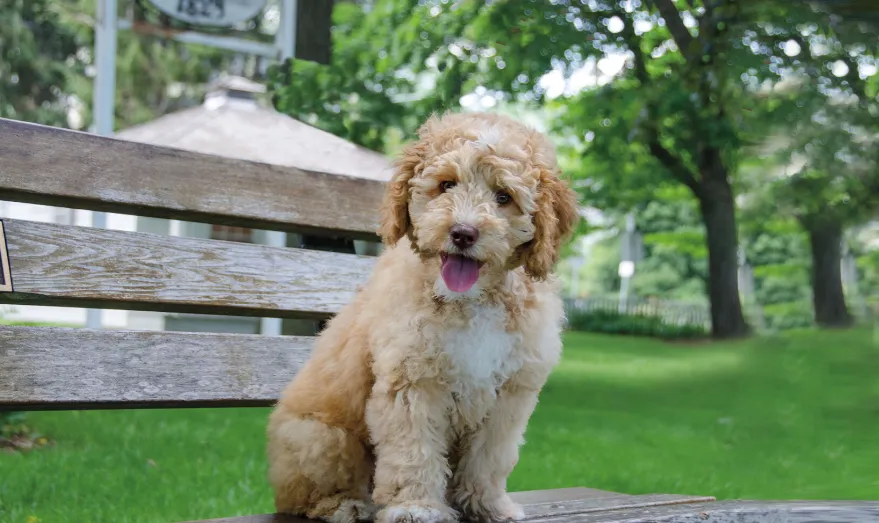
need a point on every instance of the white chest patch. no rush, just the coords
(480, 355)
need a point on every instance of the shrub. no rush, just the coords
(9, 422)
(613, 322)
(788, 315)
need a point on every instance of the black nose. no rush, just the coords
(464, 236)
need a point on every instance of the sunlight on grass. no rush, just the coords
(653, 369)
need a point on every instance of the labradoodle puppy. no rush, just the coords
(417, 395)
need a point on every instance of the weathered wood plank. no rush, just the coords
(261, 518)
(538, 505)
(730, 512)
(540, 497)
(51, 166)
(719, 512)
(54, 368)
(556, 509)
(84, 267)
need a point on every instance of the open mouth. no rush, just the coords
(459, 272)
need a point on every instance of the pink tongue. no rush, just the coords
(460, 273)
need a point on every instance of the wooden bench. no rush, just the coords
(56, 265)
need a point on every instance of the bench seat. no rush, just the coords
(582, 505)
(558, 505)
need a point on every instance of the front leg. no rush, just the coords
(409, 426)
(488, 456)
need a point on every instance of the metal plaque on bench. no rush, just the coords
(5, 272)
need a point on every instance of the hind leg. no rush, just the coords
(318, 471)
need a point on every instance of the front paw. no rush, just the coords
(483, 509)
(416, 512)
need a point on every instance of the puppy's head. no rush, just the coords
(481, 194)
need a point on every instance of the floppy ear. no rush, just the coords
(395, 207)
(555, 219)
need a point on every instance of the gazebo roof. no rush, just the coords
(231, 123)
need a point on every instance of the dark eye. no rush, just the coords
(502, 197)
(446, 185)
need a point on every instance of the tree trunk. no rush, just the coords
(719, 214)
(828, 298)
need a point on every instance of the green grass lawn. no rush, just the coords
(789, 417)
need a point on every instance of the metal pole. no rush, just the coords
(287, 29)
(624, 295)
(285, 42)
(626, 263)
(105, 60)
(104, 100)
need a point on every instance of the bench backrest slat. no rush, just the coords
(79, 266)
(63, 265)
(51, 166)
(54, 368)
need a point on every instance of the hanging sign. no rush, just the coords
(220, 13)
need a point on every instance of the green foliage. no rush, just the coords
(819, 166)
(154, 75)
(781, 283)
(668, 269)
(633, 324)
(47, 61)
(598, 276)
(777, 250)
(868, 270)
(389, 71)
(352, 97)
(788, 315)
(675, 257)
(674, 264)
(10, 423)
(829, 160)
(776, 242)
(861, 10)
(38, 58)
